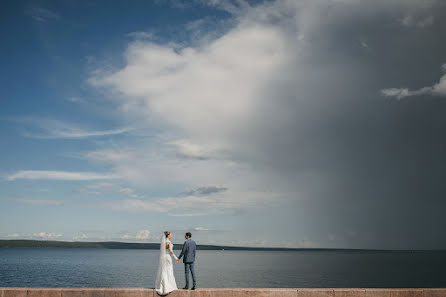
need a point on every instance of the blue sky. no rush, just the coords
(49, 113)
(260, 123)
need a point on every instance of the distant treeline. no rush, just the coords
(31, 243)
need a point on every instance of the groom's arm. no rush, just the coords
(183, 251)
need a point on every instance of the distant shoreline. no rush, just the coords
(31, 243)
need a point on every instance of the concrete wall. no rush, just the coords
(297, 292)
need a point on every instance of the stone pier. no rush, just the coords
(230, 292)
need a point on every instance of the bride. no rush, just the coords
(165, 280)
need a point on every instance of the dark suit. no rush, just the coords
(188, 254)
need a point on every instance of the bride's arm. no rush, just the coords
(171, 251)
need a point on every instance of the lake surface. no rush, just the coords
(52, 267)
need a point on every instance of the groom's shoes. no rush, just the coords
(193, 288)
(185, 288)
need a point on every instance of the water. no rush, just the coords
(48, 267)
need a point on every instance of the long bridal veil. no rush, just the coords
(163, 263)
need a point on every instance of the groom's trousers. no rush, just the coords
(187, 267)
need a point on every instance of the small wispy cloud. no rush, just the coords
(58, 175)
(107, 187)
(201, 229)
(75, 99)
(127, 191)
(110, 156)
(439, 89)
(230, 6)
(42, 128)
(95, 188)
(365, 46)
(39, 201)
(76, 133)
(140, 35)
(42, 14)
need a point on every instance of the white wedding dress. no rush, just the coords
(165, 280)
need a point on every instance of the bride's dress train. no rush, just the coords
(165, 280)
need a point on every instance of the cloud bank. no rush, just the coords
(285, 106)
(438, 89)
(58, 175)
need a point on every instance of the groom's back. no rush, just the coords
(191, 247)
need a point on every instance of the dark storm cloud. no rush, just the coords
(375, 165)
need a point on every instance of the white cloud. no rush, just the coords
(439, 89)
(76, 99)
(201, 229)
(127, 191)
(217, 84)
(46, 235)
(233, 109)
(108, 155)
(187, 148)
(140, 236)
(54, 129)
(157, 164)
(58, 175)
(13, 235)
(37, 235)
(44, 128)
(84, 190)
(140, 35)
(418, 22)
(226, 5)
(103, 185)
(205, 99)
(98, 188)
(197, 205)
(143, 234)
(81, 236)
(249, 243)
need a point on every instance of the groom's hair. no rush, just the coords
(188, 234)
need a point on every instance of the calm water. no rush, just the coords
(44, 267)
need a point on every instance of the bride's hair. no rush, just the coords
(166, 233)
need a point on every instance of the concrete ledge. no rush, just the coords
(229, 292)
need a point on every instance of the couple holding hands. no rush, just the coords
(165, 280)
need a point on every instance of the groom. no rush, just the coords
(188, 252)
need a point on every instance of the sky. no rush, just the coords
(293, 123)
